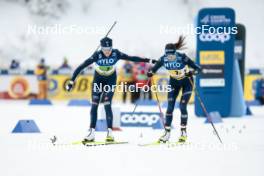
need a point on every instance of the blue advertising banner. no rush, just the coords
(215, 53)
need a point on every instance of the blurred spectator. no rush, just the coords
(126, 77)
(65, 64)
(141, 79)
(65, 68)
(41, 73)
(14, 67)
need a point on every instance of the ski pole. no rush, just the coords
(160, 110)
(209, 118)
(136, 104)
(156, 95)
(108, 32)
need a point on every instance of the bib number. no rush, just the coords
(178, 74)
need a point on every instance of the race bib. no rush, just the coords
(104, 70)
(179, 74)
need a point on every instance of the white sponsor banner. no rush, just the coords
(212, 82)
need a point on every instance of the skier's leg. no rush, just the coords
(94, 108)
(93, 113)
(95, 101)
(172, 96)
(109, 115)
(186, 95)
(107, 99)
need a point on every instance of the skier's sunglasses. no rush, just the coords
(106, 49)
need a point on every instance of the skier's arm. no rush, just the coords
(86, 63)
(154, 69)
(124, 56)
(76, 72)
(190, 63)
(156, 66)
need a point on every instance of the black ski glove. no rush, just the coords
(150, 74)
(191, 73)
(151, 61)
(69, 85)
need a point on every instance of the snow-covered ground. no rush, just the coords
(32, 154)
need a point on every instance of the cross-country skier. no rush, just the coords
(105, 73)
(177, 65)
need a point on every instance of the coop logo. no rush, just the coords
(139, 119)
(221, 37)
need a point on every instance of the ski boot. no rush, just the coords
(109, 137)
(166, 135)
(90, 137)
(183, 137)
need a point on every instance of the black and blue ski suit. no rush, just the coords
(177, 68)
(105, 75)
